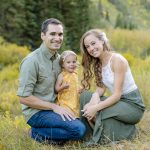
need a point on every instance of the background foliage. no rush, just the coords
(126, 24)
(13, 129)
(25, 17)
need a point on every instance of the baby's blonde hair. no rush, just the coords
(64, 55)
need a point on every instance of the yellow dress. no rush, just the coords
(69, 97)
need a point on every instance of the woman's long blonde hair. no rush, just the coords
(91, 64)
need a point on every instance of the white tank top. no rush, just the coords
(108, 79)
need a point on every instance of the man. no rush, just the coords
(38, 73)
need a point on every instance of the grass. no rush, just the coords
(13, 129)
(14, 136)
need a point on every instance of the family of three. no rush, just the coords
(58, 109)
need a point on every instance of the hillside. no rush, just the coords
(24, 19)
(124, 14)
(13, 129)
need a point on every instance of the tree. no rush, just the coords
(76, 20)
(12, 19)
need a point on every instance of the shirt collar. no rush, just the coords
(47, 53)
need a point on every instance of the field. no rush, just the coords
(134, 45)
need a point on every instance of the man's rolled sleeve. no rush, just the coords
(27, 78)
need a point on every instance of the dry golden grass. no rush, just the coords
(13, 129)
(14, 136)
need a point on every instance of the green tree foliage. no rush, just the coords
(125, 22)
(145, 52)
(99, 14)
(36, 12)
(125, 18)
(12, 19)
(146, 4)
(76, 20)
(20, 20)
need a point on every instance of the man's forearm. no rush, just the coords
(36, 103)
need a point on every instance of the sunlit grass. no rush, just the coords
(14, 136)
(132, 41)
(14, 130)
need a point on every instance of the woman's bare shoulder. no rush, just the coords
(118, 58)
(118, 61)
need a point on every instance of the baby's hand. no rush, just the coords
(65, 85)
(80, 90)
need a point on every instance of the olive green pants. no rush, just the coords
(116, 122)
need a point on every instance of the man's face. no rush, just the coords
(53, 37)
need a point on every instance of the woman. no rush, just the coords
(110, 118)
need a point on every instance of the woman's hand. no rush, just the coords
(86, 106)
(95, 99)
(89, 111)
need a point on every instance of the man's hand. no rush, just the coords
(63, 112)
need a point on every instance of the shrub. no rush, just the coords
(11, 53)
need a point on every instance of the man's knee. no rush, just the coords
(82, 131)
(79, 130)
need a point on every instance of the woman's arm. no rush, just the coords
(119, 67)
(95, 99)
(60, 85)
(97, 94)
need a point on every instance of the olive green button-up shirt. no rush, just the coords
(38, 74)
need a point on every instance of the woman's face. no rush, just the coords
(93, 45)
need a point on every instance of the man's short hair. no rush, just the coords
(49, 21)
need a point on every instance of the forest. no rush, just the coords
(126, 24)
